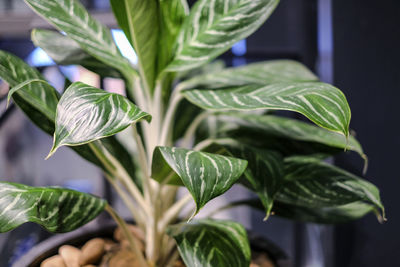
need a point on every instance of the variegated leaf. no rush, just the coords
(263, 73)
(205, 175)
(323, 215)
(139, 20)
(264, 172)
(172, 15)
(38, 100)
(312, 183)
(214, 26)
(282, 127)
(65, 51)
(210, 243)
(72, 18)
(86, 113)
(322, 103)
(56, 209)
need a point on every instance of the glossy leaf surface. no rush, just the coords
(214, 26)
(322, 103)
(86, 113)
(65, 51)
(312, 183)
(56, 209)
(288, 128)
(71, 17)
(210, 243)
(205, 175)
(263, 73)
(38, 100)
(172, 14)
(323, 215)
(139, 20)
(264, 172)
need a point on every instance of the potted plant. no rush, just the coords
(171, 95)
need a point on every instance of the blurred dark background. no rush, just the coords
(353, 44)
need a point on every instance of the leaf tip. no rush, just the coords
(52, 151)
(365, 167)
(268, 213)
(381, 216)
(8, 101)
(192, 216)
(10, 94)
(148, 117)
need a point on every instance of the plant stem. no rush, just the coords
(167, 124)
(119, 172)
(192, 129)
(100, 155)
(203, 144)
(128, 235)
(136, 213)
(172, 259)
(144, 163)
(173, 212)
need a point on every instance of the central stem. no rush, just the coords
(159, 198)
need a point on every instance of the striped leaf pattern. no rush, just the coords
(56, 209)
(139, 20)
(38, 100)
(323, 215)
(283, 127)
(315, 184)
(65, 51)
(214, 26)
(86, 113)
(72, 18)
(264, 172)
(263, 73)
(205, 175)
(322, 103)
(210, 243)
(172, 14)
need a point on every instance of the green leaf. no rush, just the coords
(38, 100)
(264, 172)
(205, 175)
(312, 183)
(323, 215)
(262, 73)
(72, 18)
(283, 127)
(65, 51)
(210, 243)
(56, 209)
(214, 26)
(322, 103)
(139, 20)
(172, 16)
(86, 113)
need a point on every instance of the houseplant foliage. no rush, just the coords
(234, 136)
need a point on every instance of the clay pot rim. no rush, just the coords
(49, 247)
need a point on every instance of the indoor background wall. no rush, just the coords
(366, 68)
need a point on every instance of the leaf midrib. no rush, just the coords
(135, 44)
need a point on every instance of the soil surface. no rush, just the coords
(99, 252)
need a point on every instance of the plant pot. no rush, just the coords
(50, 246)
